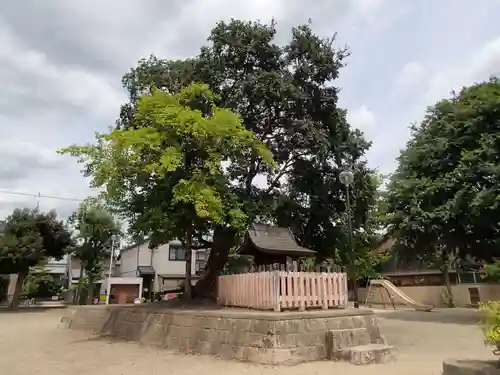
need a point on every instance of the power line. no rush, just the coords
(38, 196)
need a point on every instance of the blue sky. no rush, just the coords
(61, 63)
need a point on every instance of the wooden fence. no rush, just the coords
(278, 290)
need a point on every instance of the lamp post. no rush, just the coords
(347, 178)
(110, 270)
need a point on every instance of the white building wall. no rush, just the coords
(158, 258)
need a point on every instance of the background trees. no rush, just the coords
(95, 227)
(444, 197)
(29, 237)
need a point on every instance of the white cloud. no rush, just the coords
(411, 74)
(362, 118)
(484, 63)
(368, 7)
(61, 79)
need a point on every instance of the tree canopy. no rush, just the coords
(285, 96)
(174, 165)
(95, 227)
(30, 237)
(444, 197)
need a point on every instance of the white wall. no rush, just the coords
(54, 266)
(158, 258)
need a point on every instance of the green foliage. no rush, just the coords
(95, 227)
(360, 258)
(492, 272)
(39, 284)
(490, 322)
(286, 103)
(283, 94)
(30, 237)
(185, 138)
(444, 196)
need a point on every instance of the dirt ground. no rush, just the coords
(32, 343)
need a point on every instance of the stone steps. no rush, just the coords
(369, 354)
(355, 346)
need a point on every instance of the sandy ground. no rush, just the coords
(32, 343)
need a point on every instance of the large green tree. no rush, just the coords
(285, 95)
(444, 197)
(94, 227)
(170, 167)
(29, 238)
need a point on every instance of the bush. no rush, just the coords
(41, 285)
(490, 322)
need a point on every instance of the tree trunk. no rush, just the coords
(449, 293)
(355, 292)
(188, 287)
(78, 294)
(90, 291)
(223, 241)
(14, 304)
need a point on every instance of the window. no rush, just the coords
(176, 252)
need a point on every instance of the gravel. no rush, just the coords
(33, 343)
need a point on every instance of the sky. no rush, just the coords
(61, 64)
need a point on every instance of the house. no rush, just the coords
(162, 269)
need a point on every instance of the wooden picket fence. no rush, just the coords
(283, 290)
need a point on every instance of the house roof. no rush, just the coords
(275, 240)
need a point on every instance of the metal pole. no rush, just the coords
(350, 243)
(108, 291)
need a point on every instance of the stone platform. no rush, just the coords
(471, 367)
(255, 336)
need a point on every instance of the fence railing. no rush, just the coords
(278, 290)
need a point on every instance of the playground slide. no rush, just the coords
(407, 300)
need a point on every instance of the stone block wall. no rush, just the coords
(263, 337)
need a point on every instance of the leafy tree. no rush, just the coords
(444, 197)
(95, 227)
(285, 95)
(360, 258)
(29, 238)
(184, 140)
(492, 272)
(39, 283)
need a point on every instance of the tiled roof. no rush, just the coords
(269, 239)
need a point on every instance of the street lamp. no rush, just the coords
(347, 178)
(110, 270)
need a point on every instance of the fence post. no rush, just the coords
(276, 297)
(346, 291)
(323, 281)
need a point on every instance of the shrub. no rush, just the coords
(490, 322)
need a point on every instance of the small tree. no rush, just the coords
(95, 227)
(41, 284)
(29, 238)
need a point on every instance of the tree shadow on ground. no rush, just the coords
(445, 316)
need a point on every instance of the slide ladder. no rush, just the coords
(370, 295)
